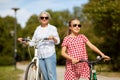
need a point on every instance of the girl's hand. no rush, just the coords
(74, 61)
(106, 58)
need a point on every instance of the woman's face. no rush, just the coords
(44, 19)
(75, 26)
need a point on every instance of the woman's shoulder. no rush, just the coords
(37, 28)
(52, 26)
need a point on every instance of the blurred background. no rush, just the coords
(100, 21)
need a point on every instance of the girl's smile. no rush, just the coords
(75, 27)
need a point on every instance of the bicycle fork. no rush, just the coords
(37, 65)
(93, 75)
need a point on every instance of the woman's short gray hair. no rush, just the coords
(44, 12)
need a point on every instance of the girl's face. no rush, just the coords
(44, 19)
(75, 26)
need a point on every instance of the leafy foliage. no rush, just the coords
(6, 40)
(105, 15)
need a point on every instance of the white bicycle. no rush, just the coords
(33, 71)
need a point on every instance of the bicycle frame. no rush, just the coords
(35, 60)
(93, 75)
(33, 71)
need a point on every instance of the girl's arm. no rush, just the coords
(64, 54)
(94, 48)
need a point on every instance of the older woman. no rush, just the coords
(46, 49)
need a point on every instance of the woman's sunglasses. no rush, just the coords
(75, 25)
(44, 18)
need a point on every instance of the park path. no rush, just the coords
(60, 73)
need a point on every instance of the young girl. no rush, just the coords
(74, 49)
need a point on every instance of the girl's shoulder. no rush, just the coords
(67, 38)
(81, 35)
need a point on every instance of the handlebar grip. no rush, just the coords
(93, 62)
(46, 39)
(25, 39)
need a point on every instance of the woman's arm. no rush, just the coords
(21, 41)
(54, 39)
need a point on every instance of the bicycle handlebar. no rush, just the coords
(28, 39)
(92, 62)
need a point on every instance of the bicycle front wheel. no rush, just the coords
(32, 72)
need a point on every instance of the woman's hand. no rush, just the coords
(20, 39)
(52, 38)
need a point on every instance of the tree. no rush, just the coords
(6, 39)
(105, 15)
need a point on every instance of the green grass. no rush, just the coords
(9, 73)
(105, 70)
(110, 74)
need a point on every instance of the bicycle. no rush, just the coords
(33, 71)
(93, 75)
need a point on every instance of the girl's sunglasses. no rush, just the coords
(44, 18)
(75, 25)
